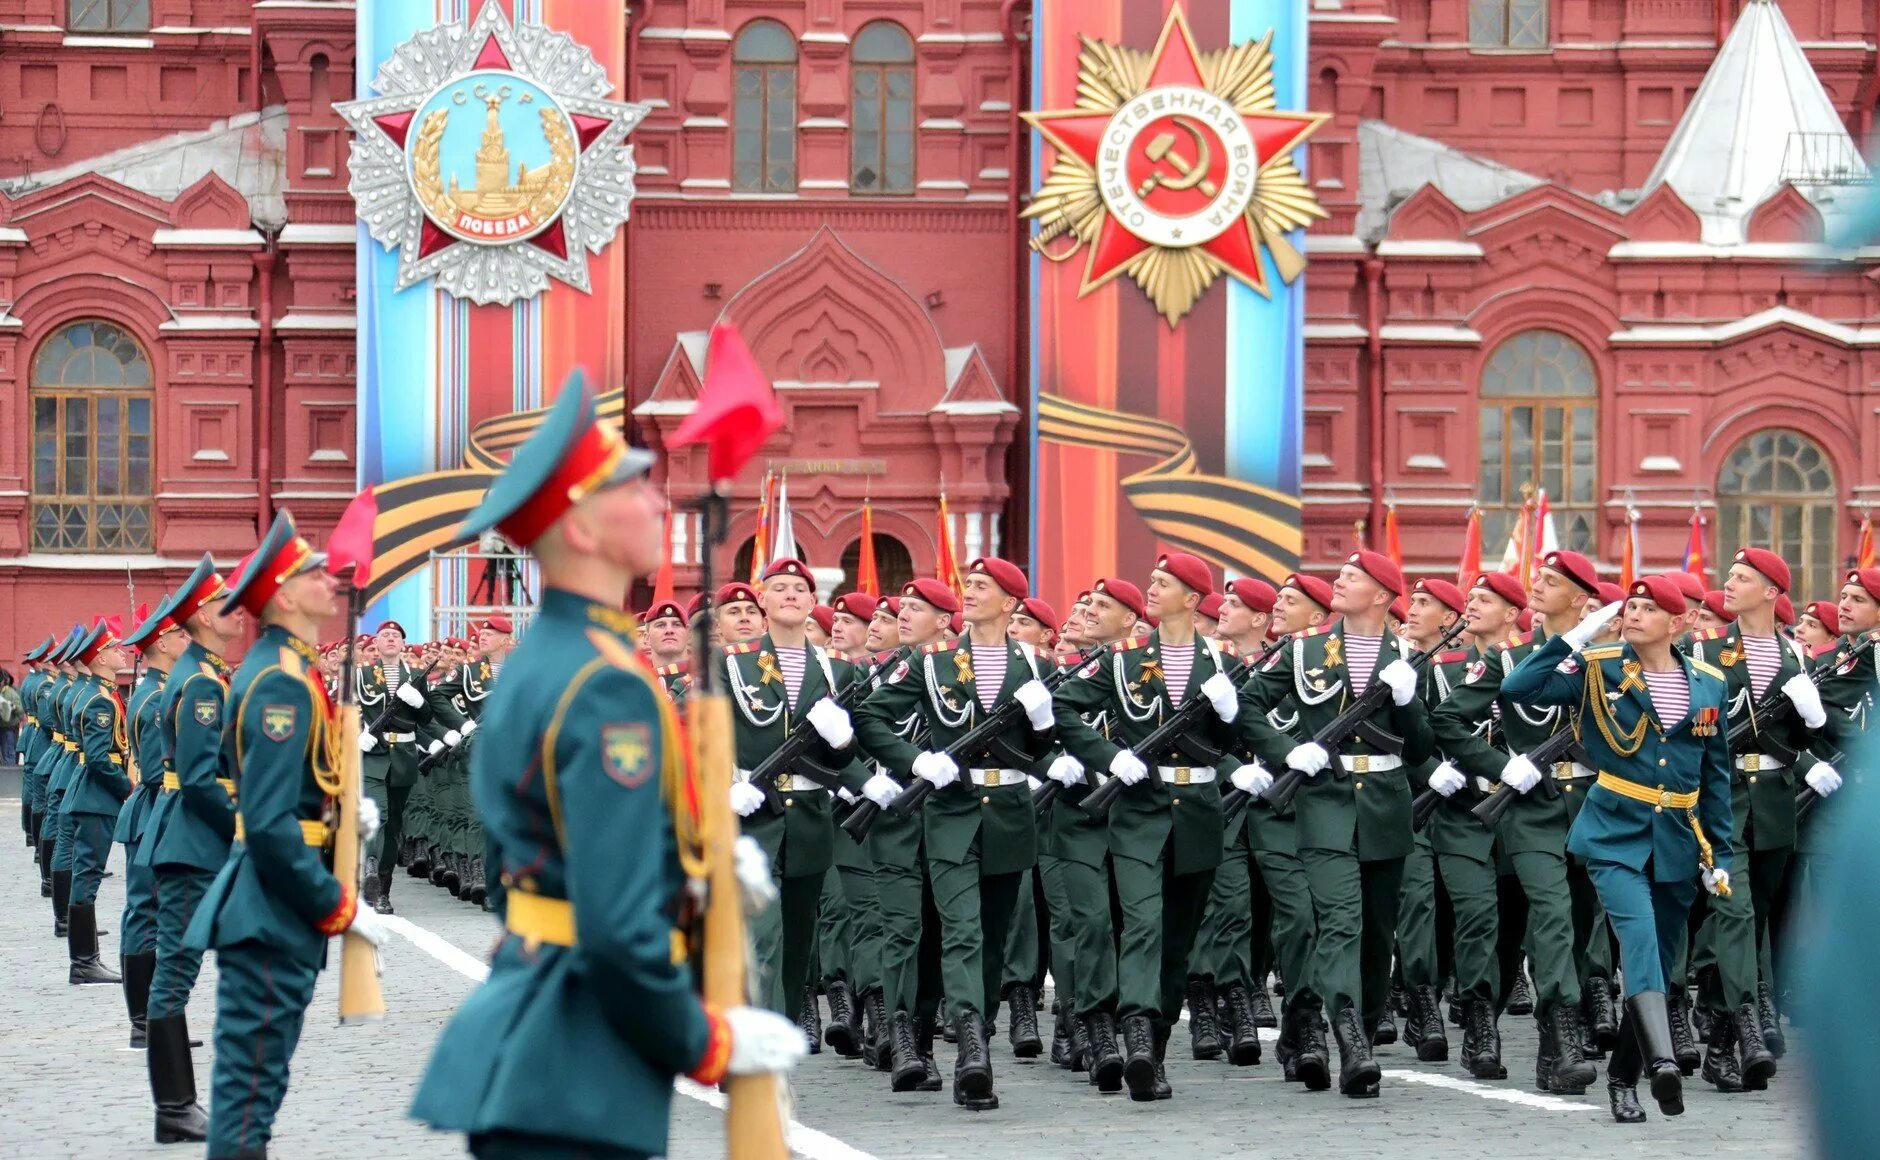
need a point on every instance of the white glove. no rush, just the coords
(745, 798)
(368, 741)
(846, 796)
(469, 726)
(409, 694)
(452, 739)
(832, 723)
(368, 925)
(1588, 628)
(1220, 691)
(1807, 698)
(882, 790)
(1519, 774)
(752, 866)
(1033, 784)
(369, 818)
(1066, 770)
(1716, 881)
(1037, 701)
(1446, 779)
(1127, 768)
(1402, 680)
(762, 1041)
(436, 748)
(936, 767)
(1252, 778)
(1308, 758)
(1823, 779)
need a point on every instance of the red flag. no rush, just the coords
(351, 543)
(140, 614)
(1864, 553)
(947, 567)
(1471, 564)
(867, 579)
(737, 409)
(1694, 547)
(662, 580)
(1629, 556)
(1393, 546)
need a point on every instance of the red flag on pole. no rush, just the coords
(1629, 556)
(737, 408)
(1694, 548)
(1864, 553)
(1393, 546)
(1471, 564)
(867, 579)
(948, 565)
(351, 543)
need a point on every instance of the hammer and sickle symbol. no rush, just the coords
(1192, 175)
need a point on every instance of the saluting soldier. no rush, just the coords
(1354, 822)
(99, 785)
(275, 902)
(1658, 818)
(158, 643)
(390, 689)
(586, 956)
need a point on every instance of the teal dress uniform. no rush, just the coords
(31, 740)
(100, 785)
(137, 937)
(78, 687)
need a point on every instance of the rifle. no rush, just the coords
(1806, 799)
(361, 998)
(979, 739)
(861, 817)
(391, 699)
(794, 752)
(1562, 745)
(1356, 717)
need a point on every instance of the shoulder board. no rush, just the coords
(938, 646)
(1604, 652)
(1704, 666)
(1129, 642)
(1318, 630)
(208, 670)
(1825, 649)
(881, 657)
(1070, 660)
(672, 670)
(1708, 633)
(738, 650)
(614, 651)
(1520, 638)
(1453, 657)
(292, 665)
(1229, 649)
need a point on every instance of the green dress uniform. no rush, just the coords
(78, 688)
(137, 938)
(101, 784)
(51, 755)
(32, 738)
(457, 701)
(1850, 683)
(391, 768)
(849, 930)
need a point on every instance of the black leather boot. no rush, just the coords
(1481, 1026)
(1571, 1070)
(45, 868)
(419, 864)
(907, 1067)
(1622, 1072)
(1162, 1032)
(1659, 1058)
(809, 1019)
(923, 1041)
(369, 889)
(1311, 1056)
(1060, 1036)
(1204, 1028)
(87, 969)
(1544, 1056)
(1105, 1059)
(1602, 1022)
(1520, 997)
(437, 869)
(453, 873)
(1357, 1072)
(1262, 1007)
(1022, 1032)
(1678, 1008)
(1455, 1005)
(972, 1065)
(875, 1019)
(1771, 1022)
(1433, 1047)
(1385, 1033)
(1755, 1058)
(173, 1082)
(1242, 1030)
(1080, 1042)
(138, 969)
(1139, 1057)
(478, 890)
(1701, 1021)
(384, 904)
(61, 902)
(843, 1032)
(1720, 1067)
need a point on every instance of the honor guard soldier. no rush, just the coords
(669, 644)
(392, 695)
(275, 902)
(589, 762)
(99, 786)
(75, 682)
(1028, 937)
(459, 701)
(49, 759)
(1353, 822)
(1658, 818)
(158, 643)
(1165, 826)
(31, 739)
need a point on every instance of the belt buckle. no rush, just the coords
(1563, 770)
(783, 783)
(1752, 763)
(1361, 763)
(1181, 775)
(1664, 799)
(991, 779)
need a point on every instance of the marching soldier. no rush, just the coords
(587, 950)
(99, 785)
(738, 613)
(391, 695)
(158, 643)
(1028, 937)
(669, 644)
(1658, 818)
(275, 902)
(457, 704)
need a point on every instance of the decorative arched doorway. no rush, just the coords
(1777, 491)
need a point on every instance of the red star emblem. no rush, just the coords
(1085, 135)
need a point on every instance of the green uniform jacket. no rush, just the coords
(1848, 687)
(69, 763)
(801, 840)
(1614, 828)
(459, 699)
(399, 760)
(104, 782)
(147, 746)
(940, 689)
(575, 1043)
(1336, 810)
(194, 825)
(29, 729)
(1453, 828)
(1068, 831)
(1127, 685)
(1765, 799)
(275, 889)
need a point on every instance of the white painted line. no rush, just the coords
(804, 1140)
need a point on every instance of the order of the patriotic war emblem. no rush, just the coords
(492, 159)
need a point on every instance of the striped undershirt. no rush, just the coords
(1671, 696)
(1763, 655)
(792, 661)
(1360, 660)
(393, 673)
(1177, 664)
(988, 672)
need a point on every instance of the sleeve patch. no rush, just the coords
(206, 711)
(900, 671)
(627, 752)
(1569, 666)
(277, 721)
(1475, 672)
(102, 718)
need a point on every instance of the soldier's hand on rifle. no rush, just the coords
(762, 1041)
(752, 867)
(452, 739)
(369, 925)
(1807, 699)
(936, 767)
(409, 694)
(1252, 778)
(1308, 758)
(1716, 881)
(1823, 779)
(1066, 770)
(469, 726)
(1220, 691)
(1589, 627)
(1402, 680)
(1446, 779)
(1519, 774)
(1037, 701)
(832, 723)
(1127, 768)
(435, 748)
(881, 789)
(368, 819)
(746, 798)
(368, 741)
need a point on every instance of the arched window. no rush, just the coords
(91, 399)
(1508, 23)
(763, 149)
(1776, 491)
(107, 15)
(1539, 430)
(881, 110)
(893, 566)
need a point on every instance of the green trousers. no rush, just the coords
(1355, 904)
(421, 816)
(261, 1002)
(1223, 951)
(1062, 931)
(975, 912)
(1469, 886)
(835, 931)
(179, 891)
(391, 802)
(783, 935)
(1161, 914)
(1734, 925)
(863, 907)
(1541, 926)
(139, 933)
(1028, 939)
(910, 927)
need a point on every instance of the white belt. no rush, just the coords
(785, 782)
(1758, 763)
(1185, 774)
(996, 777)
(1483, 785)
(1369, 762)
(394, 738)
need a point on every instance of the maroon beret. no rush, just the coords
(1378, 567)
(860, 605)
(1210, 606)
(1773, 567)
(933, 592)
(1041, 612)
(1662, 591)
(1253, 592)
(955, 624)
(1868, 578)
(1785, 610)
(1688, 584)
(500, 624)
(732, 592)
(789, 567)
(1505, 585)
(1007, 575)
(1123, 592)
(1574, 567)
(1713, 601)
(825, 618)
(1609, 592)
(658, 611)
(1828, 614)
(1189, 568)
(1525, 621)
(1443, 591)
(1400, 609)
(892, 604)
(697, 606)
(1312, 588)
(395, 626)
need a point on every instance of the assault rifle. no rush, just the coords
(983, 737)
(1806, 799)
(1562, 745)
(793, 754)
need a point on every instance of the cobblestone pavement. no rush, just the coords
(72, 1088)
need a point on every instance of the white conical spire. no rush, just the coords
(1727, 154)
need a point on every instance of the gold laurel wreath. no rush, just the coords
(428, 169)
(1068, 200)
